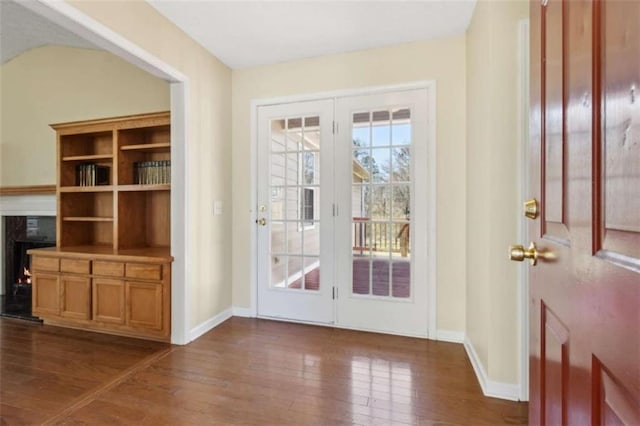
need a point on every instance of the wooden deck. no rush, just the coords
(245, 371)
(375, 271)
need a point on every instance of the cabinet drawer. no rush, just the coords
(40, 263)
(108, 269)
(75, 266)
(144, 271)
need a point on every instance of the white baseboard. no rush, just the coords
(243, 312)
(490, 388)
(450, 336)
(209, 324)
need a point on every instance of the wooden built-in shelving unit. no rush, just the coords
(110, 270)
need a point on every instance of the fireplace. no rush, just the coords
(22, 233)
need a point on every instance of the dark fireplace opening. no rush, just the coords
(22, 233)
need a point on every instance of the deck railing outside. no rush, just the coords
(384, 237)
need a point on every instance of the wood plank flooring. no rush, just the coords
(245, 371)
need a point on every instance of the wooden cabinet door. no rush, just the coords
(144, 305)
(76, 297)
(45, 296)
(585, 170)
(108, 301)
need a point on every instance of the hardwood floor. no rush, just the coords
(245, 371)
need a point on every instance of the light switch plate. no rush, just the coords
(217, 208)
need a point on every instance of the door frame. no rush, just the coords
(430, 86)
(523, 194)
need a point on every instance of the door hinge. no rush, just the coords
(334, 294)
(334, 210)
(333, 127)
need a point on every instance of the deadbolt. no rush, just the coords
(531, 208)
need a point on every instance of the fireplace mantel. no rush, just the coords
(27, 190)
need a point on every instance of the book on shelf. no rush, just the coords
(92, 174)
(152, 172)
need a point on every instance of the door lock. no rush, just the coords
(262, 221)
(531, 208)
(518, 253)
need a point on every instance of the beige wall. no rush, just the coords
(57, 84)
(208, 149)
(476, 156)
(440, 60)
(492, 185)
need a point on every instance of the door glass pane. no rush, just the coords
(278, 237)
(401, 127)
(401, 278)
(380, 276)
(401, 233)
(381, 239)
(381, 128)
(311, 239)
(380, 165)
(295, 203)
(361, 129)
(362, 165)
(278, 271)
(292, 203)
(277, 169)
(278, 137)
(310, 205)
(361, 275)
(295, 278)
(312, 273)
(401, 203)
(292, 165)
(401, 164)
(381, 203)
(311, 172)
(294, 237)
(361, 242)
(358, 200)
(277, 202)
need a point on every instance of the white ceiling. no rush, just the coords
(248, 33)
(22, 30)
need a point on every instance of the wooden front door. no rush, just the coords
(585, 158)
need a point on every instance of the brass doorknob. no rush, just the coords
(518, 253)
(262, 221)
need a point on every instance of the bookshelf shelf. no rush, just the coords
(135, 187)
(87, 219)
(96, 188)
(104, 157)
(148, 147)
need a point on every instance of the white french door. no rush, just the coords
(381, 164)
(295, 211)
(342, 212)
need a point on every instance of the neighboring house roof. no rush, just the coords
(359, 170)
